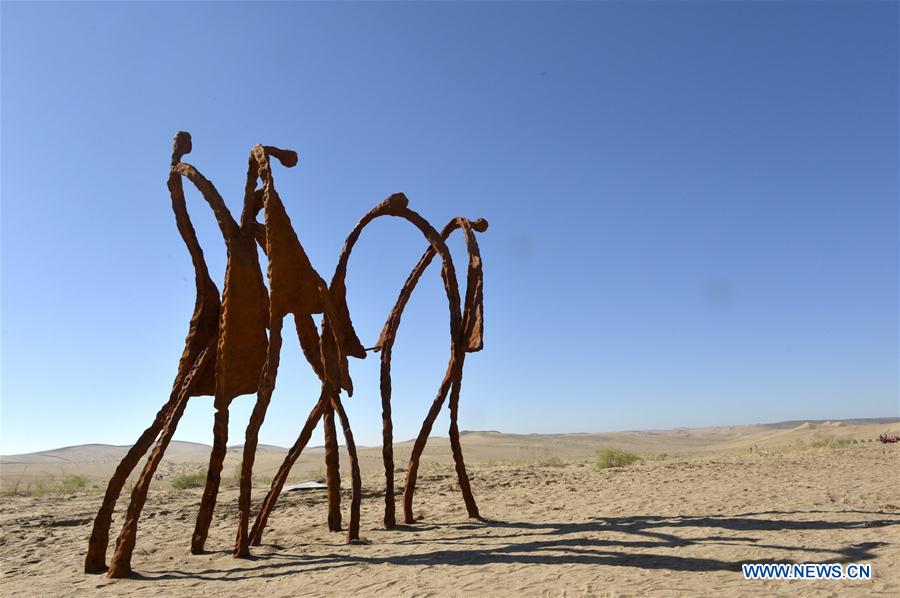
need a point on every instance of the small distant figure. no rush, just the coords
(888, 438)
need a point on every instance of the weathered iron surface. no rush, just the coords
(228, 353)
(468, 338)
(202, 330)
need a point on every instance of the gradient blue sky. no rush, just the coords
(693, 206)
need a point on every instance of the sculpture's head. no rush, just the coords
(288, 158)
(479, 224)
(254, 201)
(181, 145)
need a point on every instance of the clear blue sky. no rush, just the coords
(693, 206)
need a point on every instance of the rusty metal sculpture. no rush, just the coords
(233, 357)
(202, 334)
(464, 336)
(227, 354)
(468, 339)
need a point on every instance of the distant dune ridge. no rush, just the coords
(178, 450)
(99, 460)
(680, 520)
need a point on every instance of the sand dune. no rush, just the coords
(556, 524)
(99, 460)
(98, 453)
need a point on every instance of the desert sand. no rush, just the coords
(682, 521)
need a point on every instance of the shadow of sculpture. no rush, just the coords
(611, 541)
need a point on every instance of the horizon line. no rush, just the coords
(888, 420)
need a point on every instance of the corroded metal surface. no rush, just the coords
(233, 348)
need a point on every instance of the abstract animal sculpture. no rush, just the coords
(228, 354)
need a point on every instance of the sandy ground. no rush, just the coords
(557, 526)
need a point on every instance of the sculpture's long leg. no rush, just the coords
(356, 496)
(264, 396)
(333, 471)
(451, 383)
(421, 439)
(387, 439)
(213, 477)
(120, 565)
(310, 343)
(465, 336)
(95, 561)
(278, 482)
(456, 446)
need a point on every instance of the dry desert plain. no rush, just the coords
(681, 521)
